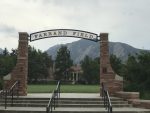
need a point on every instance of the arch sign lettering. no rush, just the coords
(64, 33)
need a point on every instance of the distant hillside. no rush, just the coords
(81, 48)
(1, 50)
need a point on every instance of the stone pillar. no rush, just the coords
(107, 75)
(20, 72)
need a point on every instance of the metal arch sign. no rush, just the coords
(64, 33)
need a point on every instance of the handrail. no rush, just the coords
(53, 102)
(11, 92)
(106, 98)
(1, 94)
(58, 89)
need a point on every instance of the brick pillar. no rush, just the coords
(20, 71)
(107, 75)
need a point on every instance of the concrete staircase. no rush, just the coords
(68, 105)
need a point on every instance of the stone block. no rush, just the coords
(140, 103)
(127, 95)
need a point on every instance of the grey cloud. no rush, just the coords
(8, 30)
(70, 3)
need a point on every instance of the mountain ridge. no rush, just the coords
(79, 49)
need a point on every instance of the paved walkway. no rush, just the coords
(64, 95)
(71, 109)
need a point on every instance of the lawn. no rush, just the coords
(64, 88)
(73, 89)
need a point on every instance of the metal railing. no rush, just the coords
(106, 98)
(1, 94)
(13, 91)
(53, 102)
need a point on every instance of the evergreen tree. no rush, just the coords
(137, 71)
(5, 52)
(62, 63)
(38, 64)
(90, 70)
(7, 62)
(116, 64)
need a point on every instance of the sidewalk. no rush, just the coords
(73, 109)
(63, 95)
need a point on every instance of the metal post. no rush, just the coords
(47, 109)
(57, 95)
(111, 109)
(51, 107)
(12, 96)
(5, 99)
(54, 101)
(59, 90)
(104, 100)
(18, 89)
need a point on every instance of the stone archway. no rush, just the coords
(20, 72)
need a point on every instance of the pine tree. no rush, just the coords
(62, 63)
(38, 64)
(90, 70)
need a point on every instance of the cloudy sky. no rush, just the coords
(126, 21)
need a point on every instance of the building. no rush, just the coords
(75, 73)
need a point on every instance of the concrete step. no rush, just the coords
(78, 99)
(77, 104)
(27, 101)
(72, 110)
(100, 110)
(63, 105)
(65, 101)
(90, 102)
(92, 105)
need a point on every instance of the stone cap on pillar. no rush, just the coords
(103, 36)
(23, 36)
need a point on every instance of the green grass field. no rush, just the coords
(64, 88)
(72, 89)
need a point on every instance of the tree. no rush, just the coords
(62, 63)
(38, 64)
(5, 52)
(7, 62)
(137, 72)
(116, 64)
(144, 70)
(90, 70)
(13, 54)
